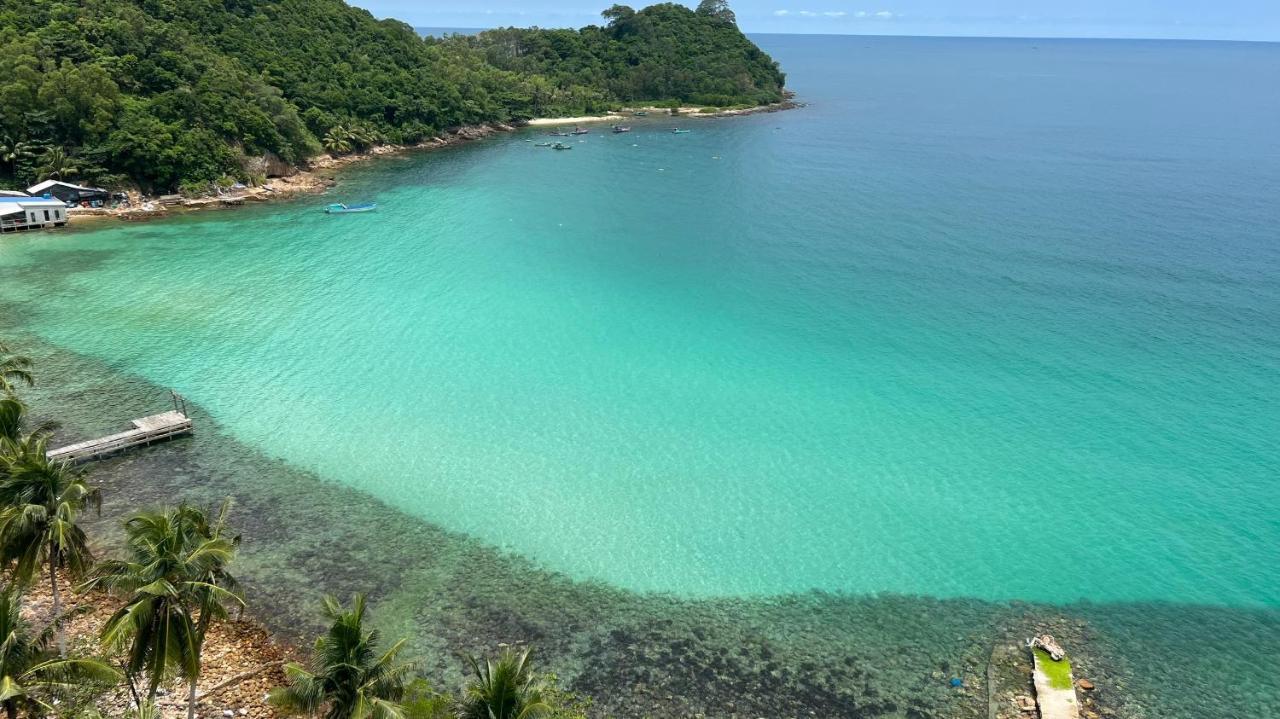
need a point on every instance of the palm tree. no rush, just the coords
(504, 689)
(14, 151)
(347, 678)
(178, 583)
(30, 674)
(55, 163)
(13, 443)
(362, 136)
(338, 140)
(13, 369)
(40, 500)
(214, 586)
(12, 412)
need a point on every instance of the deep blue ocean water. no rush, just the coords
(992, 319)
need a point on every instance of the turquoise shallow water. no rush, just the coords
(991, 319)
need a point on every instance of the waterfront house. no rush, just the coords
(69, 193)
(30, 213)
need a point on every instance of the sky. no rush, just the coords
(1182, 19)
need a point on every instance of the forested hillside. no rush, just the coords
(665, 51)
(157, 93)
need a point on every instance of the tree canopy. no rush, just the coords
(158, 93)
(665, 52)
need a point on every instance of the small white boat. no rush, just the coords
(340, 209)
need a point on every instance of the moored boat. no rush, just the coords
(561, 146)
(678, 131)
(619, 129)
(338, 208)
(580, 131)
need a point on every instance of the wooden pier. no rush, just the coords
(156, 428)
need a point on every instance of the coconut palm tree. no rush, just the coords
(12, 412)
(14, 369)
(214, 586)
(13, 443)
(362, 137)
(55, 163)
(178, 583)
(40, 501)
(14, 151)
(504, 689)
(338, 140)
(32, 675)
(347, 677)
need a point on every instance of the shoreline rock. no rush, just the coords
(289, 181)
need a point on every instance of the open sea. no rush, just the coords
(803, 411)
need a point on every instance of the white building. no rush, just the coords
(31, 213)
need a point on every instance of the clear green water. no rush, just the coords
(989, 320)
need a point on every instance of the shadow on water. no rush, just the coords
(814, 654)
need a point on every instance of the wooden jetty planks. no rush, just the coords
(156, 428)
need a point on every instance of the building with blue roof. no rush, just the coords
(31, 213)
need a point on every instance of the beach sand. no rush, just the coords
(552, 121)
(239, 647)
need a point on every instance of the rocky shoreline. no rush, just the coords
(314, 178)
(318, 175)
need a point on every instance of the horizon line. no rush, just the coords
(891, 35)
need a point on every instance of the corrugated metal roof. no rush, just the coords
(40, 188)
(34, 201)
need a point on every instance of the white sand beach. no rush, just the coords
(549, 121)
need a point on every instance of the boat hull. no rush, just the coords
(332, 210)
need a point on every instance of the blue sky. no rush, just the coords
(1206, 19)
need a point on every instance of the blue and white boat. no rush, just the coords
(340, 209)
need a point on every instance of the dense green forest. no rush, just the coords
(662, 52)
(163, 93)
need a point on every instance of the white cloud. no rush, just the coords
(836, 14)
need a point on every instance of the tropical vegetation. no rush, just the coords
(40, 502)
(665, 52)
(157, 93)
(14, 369)
(170, 585)
(33, 677)
(504, 688)
(349, 675)
(177, 584)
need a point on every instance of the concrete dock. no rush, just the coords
(1055, 687)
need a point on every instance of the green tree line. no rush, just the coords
(156, 93)
(172, 583)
